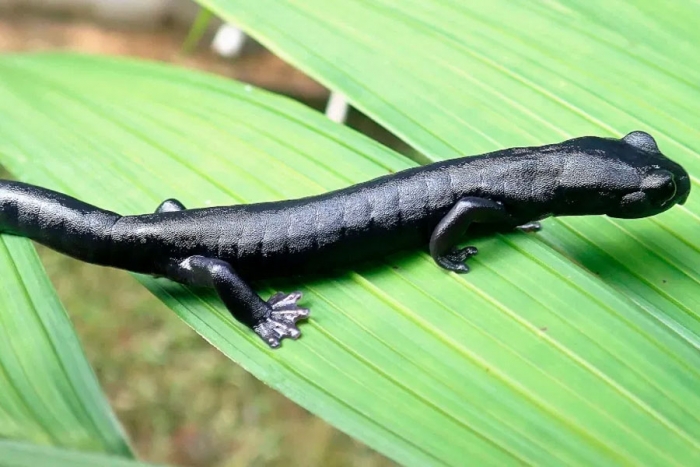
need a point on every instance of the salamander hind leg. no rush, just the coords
(272, 320)
(170, 205)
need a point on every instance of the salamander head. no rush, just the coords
(661, 183)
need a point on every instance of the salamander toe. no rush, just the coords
(454, 261)
(282, 318)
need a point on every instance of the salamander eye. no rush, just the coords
(659, 186)
(641, 140)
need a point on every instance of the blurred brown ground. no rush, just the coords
(180, 400)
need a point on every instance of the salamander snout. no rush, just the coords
(665, 187)
(660, 187)
(662, 182)
(666, 183)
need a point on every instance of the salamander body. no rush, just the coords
(225, 247)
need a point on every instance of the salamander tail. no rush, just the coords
(57, 221)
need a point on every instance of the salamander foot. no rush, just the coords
(454, 260)
(282, 318)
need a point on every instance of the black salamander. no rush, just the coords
(225, 247)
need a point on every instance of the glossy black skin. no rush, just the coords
(224, 247)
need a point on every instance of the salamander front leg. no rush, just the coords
(272, 320)
(451, 228)
(170, 205)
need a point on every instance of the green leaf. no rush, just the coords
(49, 392)
(464, 78)
(14, 454)
(528, 359)
(457, 79)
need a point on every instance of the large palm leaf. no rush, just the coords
(576, 345)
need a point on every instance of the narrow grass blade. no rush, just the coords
(15, 454)
(49, 392)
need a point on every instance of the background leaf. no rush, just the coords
(49, 392)
(457, 78)
(427, 367)
(15, 454)
(465, 78)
